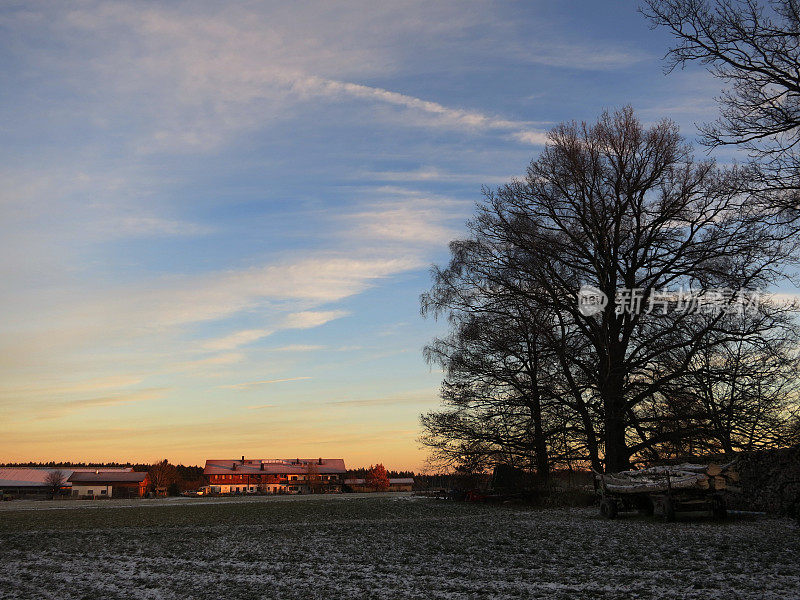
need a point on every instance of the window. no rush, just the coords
(103, 492)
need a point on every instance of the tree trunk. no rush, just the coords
(540, 444)
(539, 441)
(616, 448)
(617, 453)
(592, 447)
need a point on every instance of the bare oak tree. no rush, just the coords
(619, 207)
(163, 474)
(503, 389)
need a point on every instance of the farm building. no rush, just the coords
(401, 484)
(28, 482)
(109, 484)
(33, 481)
(274, 476)
(398, 484)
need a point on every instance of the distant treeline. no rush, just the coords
(362, 473)
(187, 472)
(66, 464)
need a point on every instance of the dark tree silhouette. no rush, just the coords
(162, 475)
(55, 480)
(746, 388)
(616, 206)
(755, 48)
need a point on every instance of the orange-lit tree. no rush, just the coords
(377, 478)
(163, 475)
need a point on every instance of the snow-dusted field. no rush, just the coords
(382, 547)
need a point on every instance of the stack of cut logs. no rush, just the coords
(717, 477)
(685, 476)
(770, 481)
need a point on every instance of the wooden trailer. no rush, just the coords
(665, 491)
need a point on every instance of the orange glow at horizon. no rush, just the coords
(401, 454)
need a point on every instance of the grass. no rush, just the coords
(384, 547)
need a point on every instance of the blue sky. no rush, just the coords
(217, 220)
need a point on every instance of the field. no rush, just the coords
(381, 546)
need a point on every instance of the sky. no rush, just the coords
(217, 219)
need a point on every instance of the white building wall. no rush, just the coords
(290, 487)
(232, 488)
(91, 490)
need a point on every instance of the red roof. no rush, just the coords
(108, 477)
(28, 477)
(37, 477)
(275, 466)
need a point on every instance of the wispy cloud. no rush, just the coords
(52, 410)
(251, 384)
(297, 348)
(413, 397)
(606, 55)
(67, 388)
(180, 300)
(312, 318)
(430, 173)
(227, 358)
(294, 320)
(236, 339)
(143, 225)
(409, 217)
(209, 77)
(121, 398)
(439, 114)
(535, 138)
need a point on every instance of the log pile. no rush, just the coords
(769, 481)
(661, 479)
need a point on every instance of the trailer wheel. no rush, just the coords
(644, 506)
(718, 508)
(668, 508)
(608, 508)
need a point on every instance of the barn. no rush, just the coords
(34, 482)
(109, 484)
(396, 484)
(29, 482)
